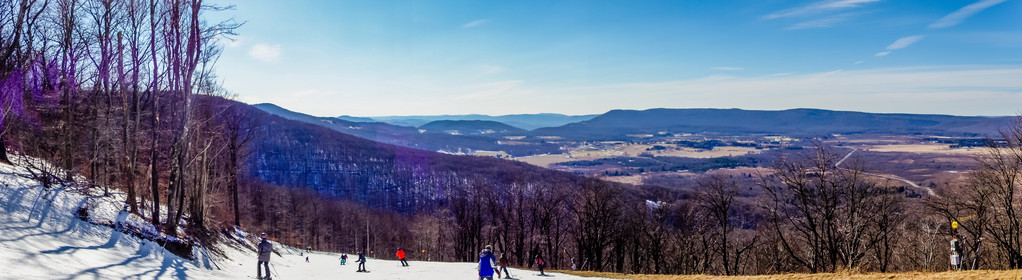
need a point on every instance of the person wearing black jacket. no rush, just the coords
(361, 262)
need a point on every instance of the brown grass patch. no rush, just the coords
(976, 274)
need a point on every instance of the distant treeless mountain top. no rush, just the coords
(797, 122)
(471, 127)
(355, 119)
(524, 121)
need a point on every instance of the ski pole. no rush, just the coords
(274, 270)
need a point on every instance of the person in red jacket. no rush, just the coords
(539, 262)
(401, 256)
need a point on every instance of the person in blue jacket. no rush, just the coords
(486, 263)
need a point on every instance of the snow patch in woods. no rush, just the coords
(41, 238)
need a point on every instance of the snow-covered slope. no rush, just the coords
(40, 238)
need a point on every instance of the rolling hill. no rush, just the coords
(524, 121)
(411, 136)
(471, 127)
(304, 153)
(617, 124)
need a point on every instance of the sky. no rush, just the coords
(397, 57)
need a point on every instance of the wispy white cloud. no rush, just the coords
(475, 23)
(882, 53)
(822, 22)
(964, 90)
(904, 42)
(964, 13)
(858, 62)
(490, 91)
(818, 7)
(265, 52)
(727, 68)
(484, 70)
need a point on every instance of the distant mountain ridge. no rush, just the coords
(617, 124)
(523, 121)
(472, 127)
(356, 119)
(411, 137)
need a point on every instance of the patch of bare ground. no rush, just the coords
(974, 274)
(633, 179)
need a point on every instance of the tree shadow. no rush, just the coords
(175, 262)
(41, 208)
(95, 270)
(73, 224)
(13, 199)
(115, 236)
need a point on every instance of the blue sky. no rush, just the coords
(376, 58)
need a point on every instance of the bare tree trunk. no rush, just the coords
(232, 183)
(3, 151)
(154, 92)
(127, 132)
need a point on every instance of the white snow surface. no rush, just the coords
(40, 238)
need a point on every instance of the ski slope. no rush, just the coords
(40, 238)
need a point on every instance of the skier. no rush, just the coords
(401, 256)
(265, 248)
(344, 258)
(361, 262)
(486, 263)
(306, 258)
(503, 267)
(539, 262)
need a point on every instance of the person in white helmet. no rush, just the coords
(265, 248)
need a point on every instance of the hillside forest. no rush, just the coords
(122, 96)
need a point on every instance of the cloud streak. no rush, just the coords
(475, 23)
(822, 22)
(726, 68)
(485, 70)
(819, 7)
(964, 90)
(964, 13)
(265, 52)
(961, 90)
(904, 42)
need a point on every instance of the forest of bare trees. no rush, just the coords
(118, 93)
(121, 96)
(810, 215)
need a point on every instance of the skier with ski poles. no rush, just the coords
(265, 248)
(361, 262)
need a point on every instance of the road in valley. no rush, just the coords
(928, 191)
